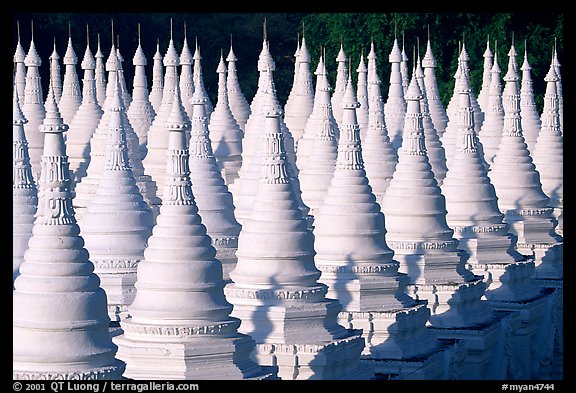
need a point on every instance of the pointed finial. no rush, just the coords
(69, 30)
(196, 39)
(32, 29)
(184, 29)
(87, 35)
(303, 28)
(54, 43)
(230, 40)
(98, 35)
(170, 28)
(428, 31)
(395, 28)
(18, 29)
(138, 33)
(265, 36)
(117, 41)
(112, 23)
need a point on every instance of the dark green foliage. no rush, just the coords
(354, 31)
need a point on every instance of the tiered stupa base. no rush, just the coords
(104, 373)
(187, 353)
(335, 360)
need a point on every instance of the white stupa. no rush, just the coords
(33, 107)
(237, 101)
(434, 148)
(24, 191)
(404, 69)
(296, 115)
(126, 97)
(180, 325)
(55, 73)
(59, 318)
(155, 160)
(100, 74)
(89, 183)
(362, 96)
(117, 221)
(477, 221)
(437, 110)
(557, 66)
(199, 80)
(316, 174)
(530, 117)
(372, 75)
(186, 76)
(417, 231)
(395, 106)
(340, 85)
(491, 131)
(246, 183)
(84, 122)
(321, 112)
(252, 127)
(225, 133)
(462, 76)
(548, 152)
(379, 156)
(211, 194)
(356, 263)
(484, 92)
(156, 91)
(521, 198)
(275, 289)
(292, 92)
(19, 67)
(140, 112)
(71, 92)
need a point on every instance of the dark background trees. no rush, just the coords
(537, 30)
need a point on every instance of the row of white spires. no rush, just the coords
(279, 171)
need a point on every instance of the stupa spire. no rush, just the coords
(225, 133)
(100, 74)
(530, 117)
(238, 103)
(362, 92)
(57, 299)
(157, 79)
(55, 76)
(19, 66)
(140, 112)
(186, 77)
(434, 148)
(298, 110)
(437, 110)
(199, 80)
(491, 130)
(340, 86)
(85, 120)
(71, 93)
(395, 107)
(33, 105)
(486, 76)
(155, 160)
